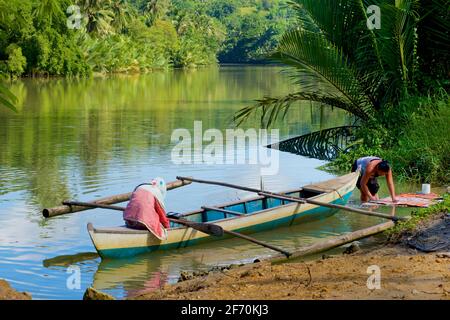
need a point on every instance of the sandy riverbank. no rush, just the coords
(8, 293)
(405, 273)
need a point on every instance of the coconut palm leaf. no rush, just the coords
(49, 9)
(321, 67)
(339, 21)
(435, 24)
(123, 14)
(434, 36)
(98, 16)
(271, 107)
(398, 46)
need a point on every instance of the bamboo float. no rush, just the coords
(334, 242)
(64, 209)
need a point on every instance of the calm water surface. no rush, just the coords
(85, 139)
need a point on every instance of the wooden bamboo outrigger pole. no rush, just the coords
(294, 199)
(64, 209)
(334, 242)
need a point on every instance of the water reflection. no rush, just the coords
(75, 137)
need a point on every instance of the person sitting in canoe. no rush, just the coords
(146, 209)
(371, 168)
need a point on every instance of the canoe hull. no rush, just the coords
(122, 242)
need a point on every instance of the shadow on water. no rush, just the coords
(69, 259)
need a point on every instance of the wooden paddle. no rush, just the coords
(293, 199)
(208, 228)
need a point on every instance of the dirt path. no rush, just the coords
(405, 274)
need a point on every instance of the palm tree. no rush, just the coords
(4, 11)
(434, 35)
(98, 16)
(155, 9)
(337, 61)
(47, 10)
(123, 13)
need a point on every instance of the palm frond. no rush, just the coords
(271, 108)
(344, 23)
(398, 45)
(436, 24)
(434, 38)
(320, 67)
(339, 21)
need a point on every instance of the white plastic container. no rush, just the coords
(426, 188)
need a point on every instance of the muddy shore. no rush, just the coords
(404, 273)
(8, 293)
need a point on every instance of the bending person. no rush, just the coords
(146, 209)
(371, 168)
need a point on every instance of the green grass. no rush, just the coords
(418, 216)
(423, 149)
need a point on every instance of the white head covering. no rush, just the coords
(158, 188)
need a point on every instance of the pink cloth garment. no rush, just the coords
(145, 209)
(410, 200)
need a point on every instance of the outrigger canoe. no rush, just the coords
(260, 213)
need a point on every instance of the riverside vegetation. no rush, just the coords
(42, 37)
(132, 36)
(393, 81)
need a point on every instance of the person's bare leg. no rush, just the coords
(364, 198)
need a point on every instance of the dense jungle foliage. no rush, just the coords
(51, 37)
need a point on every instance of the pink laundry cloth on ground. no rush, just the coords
(146, 209)
(410, 200)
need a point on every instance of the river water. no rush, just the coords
(89, 138)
